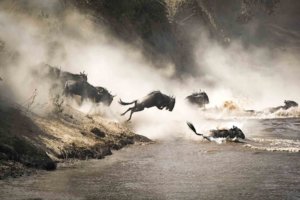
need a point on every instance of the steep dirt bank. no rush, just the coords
(29, 141)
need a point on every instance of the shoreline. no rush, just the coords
(29, 142)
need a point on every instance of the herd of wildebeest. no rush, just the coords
(77, 84)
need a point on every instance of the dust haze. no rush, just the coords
(253, 77)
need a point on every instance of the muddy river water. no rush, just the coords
(177, 169)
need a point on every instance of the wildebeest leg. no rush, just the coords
(135, 109)
(127, 111)
(82, 100)
(65, 92)
(160, 107)
(132, 111)
(206, 138)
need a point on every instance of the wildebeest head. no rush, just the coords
(236, 132)
(104, 96)
(205, 97)
(171, 104)
(289, 104)
(83, 75)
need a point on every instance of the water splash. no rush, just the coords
(274, 145)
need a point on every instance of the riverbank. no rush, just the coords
(29, 141)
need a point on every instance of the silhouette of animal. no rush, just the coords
(153, 99)
(87, 91)
(287, 105)
(198, 98)
(231, 133)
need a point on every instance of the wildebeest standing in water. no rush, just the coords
(87, 91)
(198, 98)
(232, 133)
(155, 98)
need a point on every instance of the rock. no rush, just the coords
(23, 151)
(97, 151)
(125, 141)
(83, 133)
(8, 151)
(141, 138)
(116, 146)
(103, 149)
(50, 165)
(98, 132)
(3, 156)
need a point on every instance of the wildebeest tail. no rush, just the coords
(191, 126)
(125, 103)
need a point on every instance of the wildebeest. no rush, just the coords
(232, 133)
(287, 104)
(65, 76)
(198, 98)
(59, 76)
(155, 98)
(87, 91)
(107, 97)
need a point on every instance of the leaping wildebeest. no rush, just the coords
(87, 91)
(155, 98)
(232, 134)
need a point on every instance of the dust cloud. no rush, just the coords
(252, 77)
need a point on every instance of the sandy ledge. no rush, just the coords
(29, 142)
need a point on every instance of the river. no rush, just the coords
(179, 169)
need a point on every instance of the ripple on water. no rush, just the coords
(274, 145)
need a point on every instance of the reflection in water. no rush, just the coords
(176, 169)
